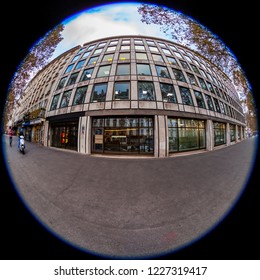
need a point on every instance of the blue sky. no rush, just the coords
(104, 21)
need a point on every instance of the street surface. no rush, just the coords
(129, 207)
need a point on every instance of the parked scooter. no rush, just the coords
(22, 144)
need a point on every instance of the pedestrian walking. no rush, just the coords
(11, 134)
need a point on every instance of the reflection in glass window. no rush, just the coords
(172, 60)
(86, 75)
(195, 69)
(126, 41)
(151, 43)
(123, 69)
(111, 49)
(178, 75)
(209, 102)
(232, 132)
(143, 69)
(199, 99)
(103, 71)
(72, 79)
(192, 79)
(55, 101)
(166, 51)
(125, 48)
(210, 87)
(146, 91)
(112, 43)
(138, 42)
(101, 45)
(186, 96)
(86, 54)
(162, 45)
(121, 90)
(81, 50)
(91, 47)
(62, 83)
(139, 48)
(80, 64)
(80, 95)
(184, 64)
(168, 93)
(75, 58)
(178, 54)
(99, 92)
(141, 56)
(186, 134)
(124, 56)
(216, 105)
(162, 71)
(202, 83)
(219, 133)
(65, 99)
(108, 57)
(97, 51)
(92, 60)
(69, 68)
(157, 57)
(153, 49)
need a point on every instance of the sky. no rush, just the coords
(104, 21)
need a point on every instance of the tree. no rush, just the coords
(185, 31)
(36, 59)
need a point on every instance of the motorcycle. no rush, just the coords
(22, 144)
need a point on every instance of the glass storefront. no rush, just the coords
(131, 135)
(219, 133)
(186, 134)
(232, 132)
(64, 135)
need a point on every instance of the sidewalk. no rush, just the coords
(130, 207)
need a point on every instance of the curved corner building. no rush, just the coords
(131, 95)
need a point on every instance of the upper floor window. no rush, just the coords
(125, 48)
(186, 96)
(86, 54)
(153, 49)
(111, 49)
(168, 93)
(202, 83)
(108, 57)
(103, 71)
(54, 102)
(192, 79)
(72, 79)
(99, 92)
(179, 75)
(61, 83)
(86, 75)
(139, 48)
(143, 69)
(216, 105)
(166, 51)
(65, 99)
(162, 71)
(199, 99)
(76, 57)
(93, 60)
(124, 56)
(123, 69)
(146, 91)
(209, 102)
(121, 90)
(97, 51)
(195, 69)
(69, 68)
(80, 95)
(142, 56)
(157, 57)
(184, 64)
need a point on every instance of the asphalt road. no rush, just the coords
(129, 207)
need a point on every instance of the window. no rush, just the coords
(162, 45)
(146, 91)
(202, 83)
(139, 42)
(108, 57)
(195, 69)
(141, 56)
(209, 102)
(143, 69)
(219, 133)
(112, 43)
(101, 45)
(151, 43)
(80, 95)
(86, 75)
(69, 68)
(168, 93)
(91, 47)
(86, 54)
(186, 96)
(72, 79)
(179, 75)
(93, 60)
(166, 51)
(99, 93)
(178, 54)
(65, 99)
(232, 132)
(184, 64)
(216, 105)
(157, 57)
(126, 41)
(103, 71)
(80, 64)
(123, 69)
(210, 87)
(55, 101)
(124, 56)
(153, 49)
(111, 49)
(76, 58)
(125, 48)
(186, 134)
(97, 51)
(162, 71)
(199, 99)
(172, 60)
(121, 90)
(61, 83)
(192, 79)
(139, 48)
